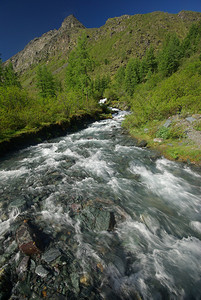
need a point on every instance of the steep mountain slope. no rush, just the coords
(111, 45)
(48, 45)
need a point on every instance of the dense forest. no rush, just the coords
(161, 83)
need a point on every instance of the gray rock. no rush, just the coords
(41, 271)
(190, 119)
(167, 123)
(23, 265)
(51, 255)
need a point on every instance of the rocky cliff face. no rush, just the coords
(46, 46)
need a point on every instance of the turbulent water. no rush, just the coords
(71, 186)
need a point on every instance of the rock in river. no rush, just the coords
(51, 255)
(28, 239)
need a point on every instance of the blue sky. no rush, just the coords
(23, 20)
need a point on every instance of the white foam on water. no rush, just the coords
(195, 225)
(188, 170)
(173, 189)
(173, 262)
(9, 174)
(5, 225)
(95, 165)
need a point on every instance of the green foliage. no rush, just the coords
(170, 55)
(99, 85)
(79, 66)
(148, 65)
(163, 133)
(132, 75)
(191, 43)
(45, 82)
(8, 77)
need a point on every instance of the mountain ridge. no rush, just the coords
(124, 36)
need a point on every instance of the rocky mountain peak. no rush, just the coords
(71, 22)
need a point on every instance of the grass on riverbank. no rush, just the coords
(173, 147)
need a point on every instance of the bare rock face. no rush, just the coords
(54, 41)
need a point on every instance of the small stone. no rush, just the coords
(158, 140)
(51, 255)
(146, 130)
(190, 119)
(41, 271)
(167, 123)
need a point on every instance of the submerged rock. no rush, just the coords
(51, 255)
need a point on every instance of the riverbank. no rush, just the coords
(177, 138)
(33, 136)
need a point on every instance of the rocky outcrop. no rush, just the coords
(46, 46)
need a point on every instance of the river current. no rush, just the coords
(72, 186)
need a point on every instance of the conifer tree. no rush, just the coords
(170, 55)
(9, 77)
(132, 76)
(79, 66)
(45, 82)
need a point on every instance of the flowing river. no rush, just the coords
(123, 222)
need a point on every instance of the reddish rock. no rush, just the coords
(27, 240)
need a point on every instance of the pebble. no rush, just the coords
(41, 271)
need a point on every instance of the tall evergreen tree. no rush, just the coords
(132, 75)
(45, 82)
(170, 55)
(79, 66)
(9, 77)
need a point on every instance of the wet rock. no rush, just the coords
(27, 240)
(30, 239)
(41, 271)
(96, 218)
(23, 266)
(142, 144)
(51, 255)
